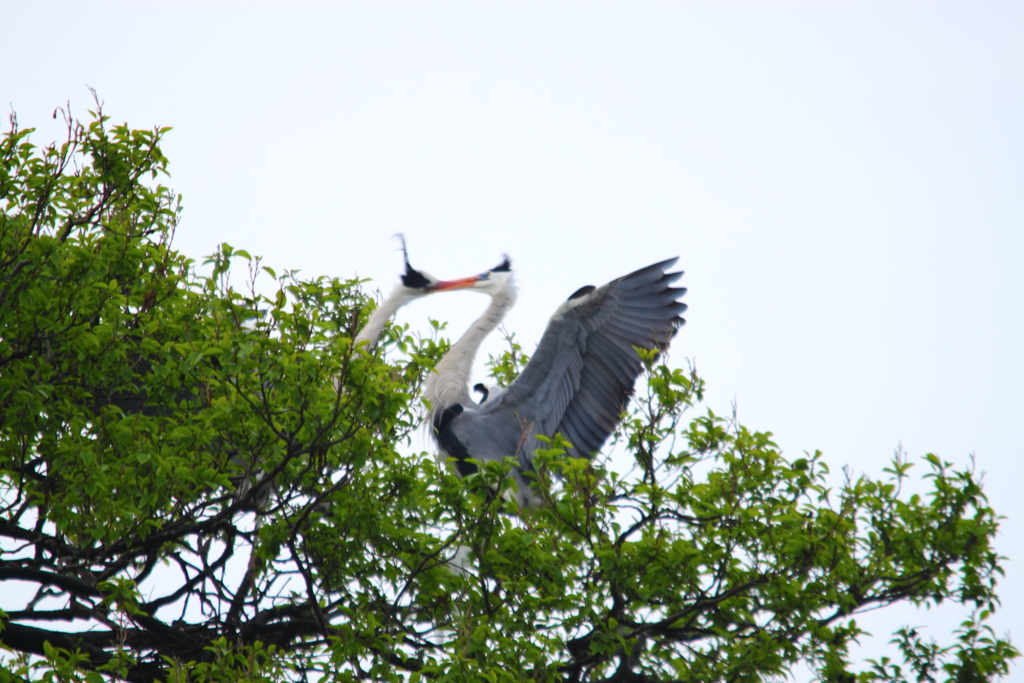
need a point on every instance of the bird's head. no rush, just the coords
(488, 282)
(415, 283)
(419, 283)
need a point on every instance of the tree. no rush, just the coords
(201, 483)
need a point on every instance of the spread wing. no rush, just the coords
(583, 371)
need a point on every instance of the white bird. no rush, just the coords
(577, 382)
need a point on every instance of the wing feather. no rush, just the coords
(656, 285)
(646, 318)
(591, 435)
(614, 357)
(663, 298)
(600, 407)
(628, 338)
(648, 275)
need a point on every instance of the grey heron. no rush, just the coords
(577, 382)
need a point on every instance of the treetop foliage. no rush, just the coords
(205, 483)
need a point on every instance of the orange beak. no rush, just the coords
(444, 285)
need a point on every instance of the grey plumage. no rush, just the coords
(578, 381)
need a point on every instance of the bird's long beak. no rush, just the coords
(463, 283)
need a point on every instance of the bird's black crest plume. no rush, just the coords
(413, 279)
(503, 267)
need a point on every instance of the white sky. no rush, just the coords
(844, 183)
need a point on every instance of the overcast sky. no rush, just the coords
(843, 183)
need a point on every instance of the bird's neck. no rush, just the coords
(449, 383)
(398, 298)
